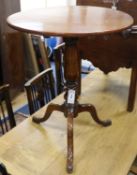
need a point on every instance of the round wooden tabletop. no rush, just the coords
(74, 21)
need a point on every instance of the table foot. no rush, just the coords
(69, 169)
(51, 107)
(91, 109)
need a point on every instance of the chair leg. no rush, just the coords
(132, 90)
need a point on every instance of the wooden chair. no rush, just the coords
(3, 170)
(112, 51)
(58, 54)
(36, 53)
(133, 169)
(40, 90)
(7, 120)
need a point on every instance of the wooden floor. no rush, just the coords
(19, 100)
(109, 94)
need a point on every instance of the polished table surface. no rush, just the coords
(31, 149)
(70, 21)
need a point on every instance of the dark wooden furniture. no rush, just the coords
(133, 169)
(40, 90)
(71, 23)
(37, 58)
(11, 48)
(7, 120)
(3, 170)
(112, 51)
(58, 55)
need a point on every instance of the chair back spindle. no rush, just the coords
(7, 120)
(40, 90)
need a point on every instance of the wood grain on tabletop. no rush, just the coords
(70, 21)
(41, 149)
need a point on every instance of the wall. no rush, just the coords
(29, 4)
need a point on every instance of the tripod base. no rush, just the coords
(71, 111)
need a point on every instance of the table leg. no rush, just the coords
(92, 110)
(70, 117)
(132, 90)
(51, 107)
(71, 107)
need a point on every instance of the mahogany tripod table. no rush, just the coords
(71, 23)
